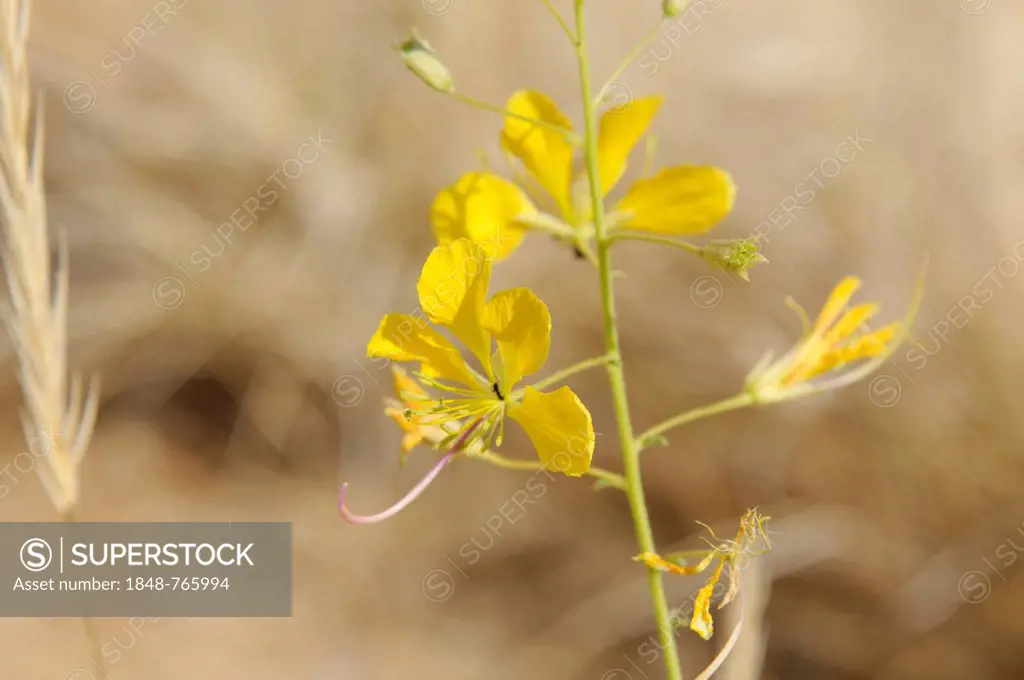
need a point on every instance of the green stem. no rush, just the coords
(568, 134)
(651, 238)
(616, 376)
(627, 61)
(610, 478)
(561, 20)
(738, 401)
(569, 371)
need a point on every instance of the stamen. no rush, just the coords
(444, 387)
(501, 429)
(438, 384)
(491, 424)
(413, 493)
(465, 412)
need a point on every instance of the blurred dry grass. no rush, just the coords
(229, 406)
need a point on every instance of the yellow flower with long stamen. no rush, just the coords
(751, 540)
(488, 209)
(453, 294)
(839, 337)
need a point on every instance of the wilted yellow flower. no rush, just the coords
(453, 293)
(751, 539)
(553, 194)
(837, 338)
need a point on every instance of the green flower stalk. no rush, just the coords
(616, 374)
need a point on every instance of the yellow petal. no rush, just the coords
(411, 440)
(657, 562)
(413, 430)
(411, 427)
(401, 337)
(560, 427)
(521, 324)
(407, 390)
(868, 345)
(814, 356)
(619, 132)
(398, 415)
(702, 624)
(687, 199)
(544, 153)
(836, 303)
(854, 318)
(453, 289)
(482, 208)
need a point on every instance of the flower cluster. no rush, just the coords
(508, 335)
(474, 355)
(551, 193)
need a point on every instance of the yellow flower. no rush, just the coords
(837, 338)
(488, 209)
(752, 532)
(453, 294)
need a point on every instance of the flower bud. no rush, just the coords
(421, 60)
(734, 255)
(673, 8)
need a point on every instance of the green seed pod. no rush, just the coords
(673, 8)
(423, 61)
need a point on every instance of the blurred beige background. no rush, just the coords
(236, 388)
